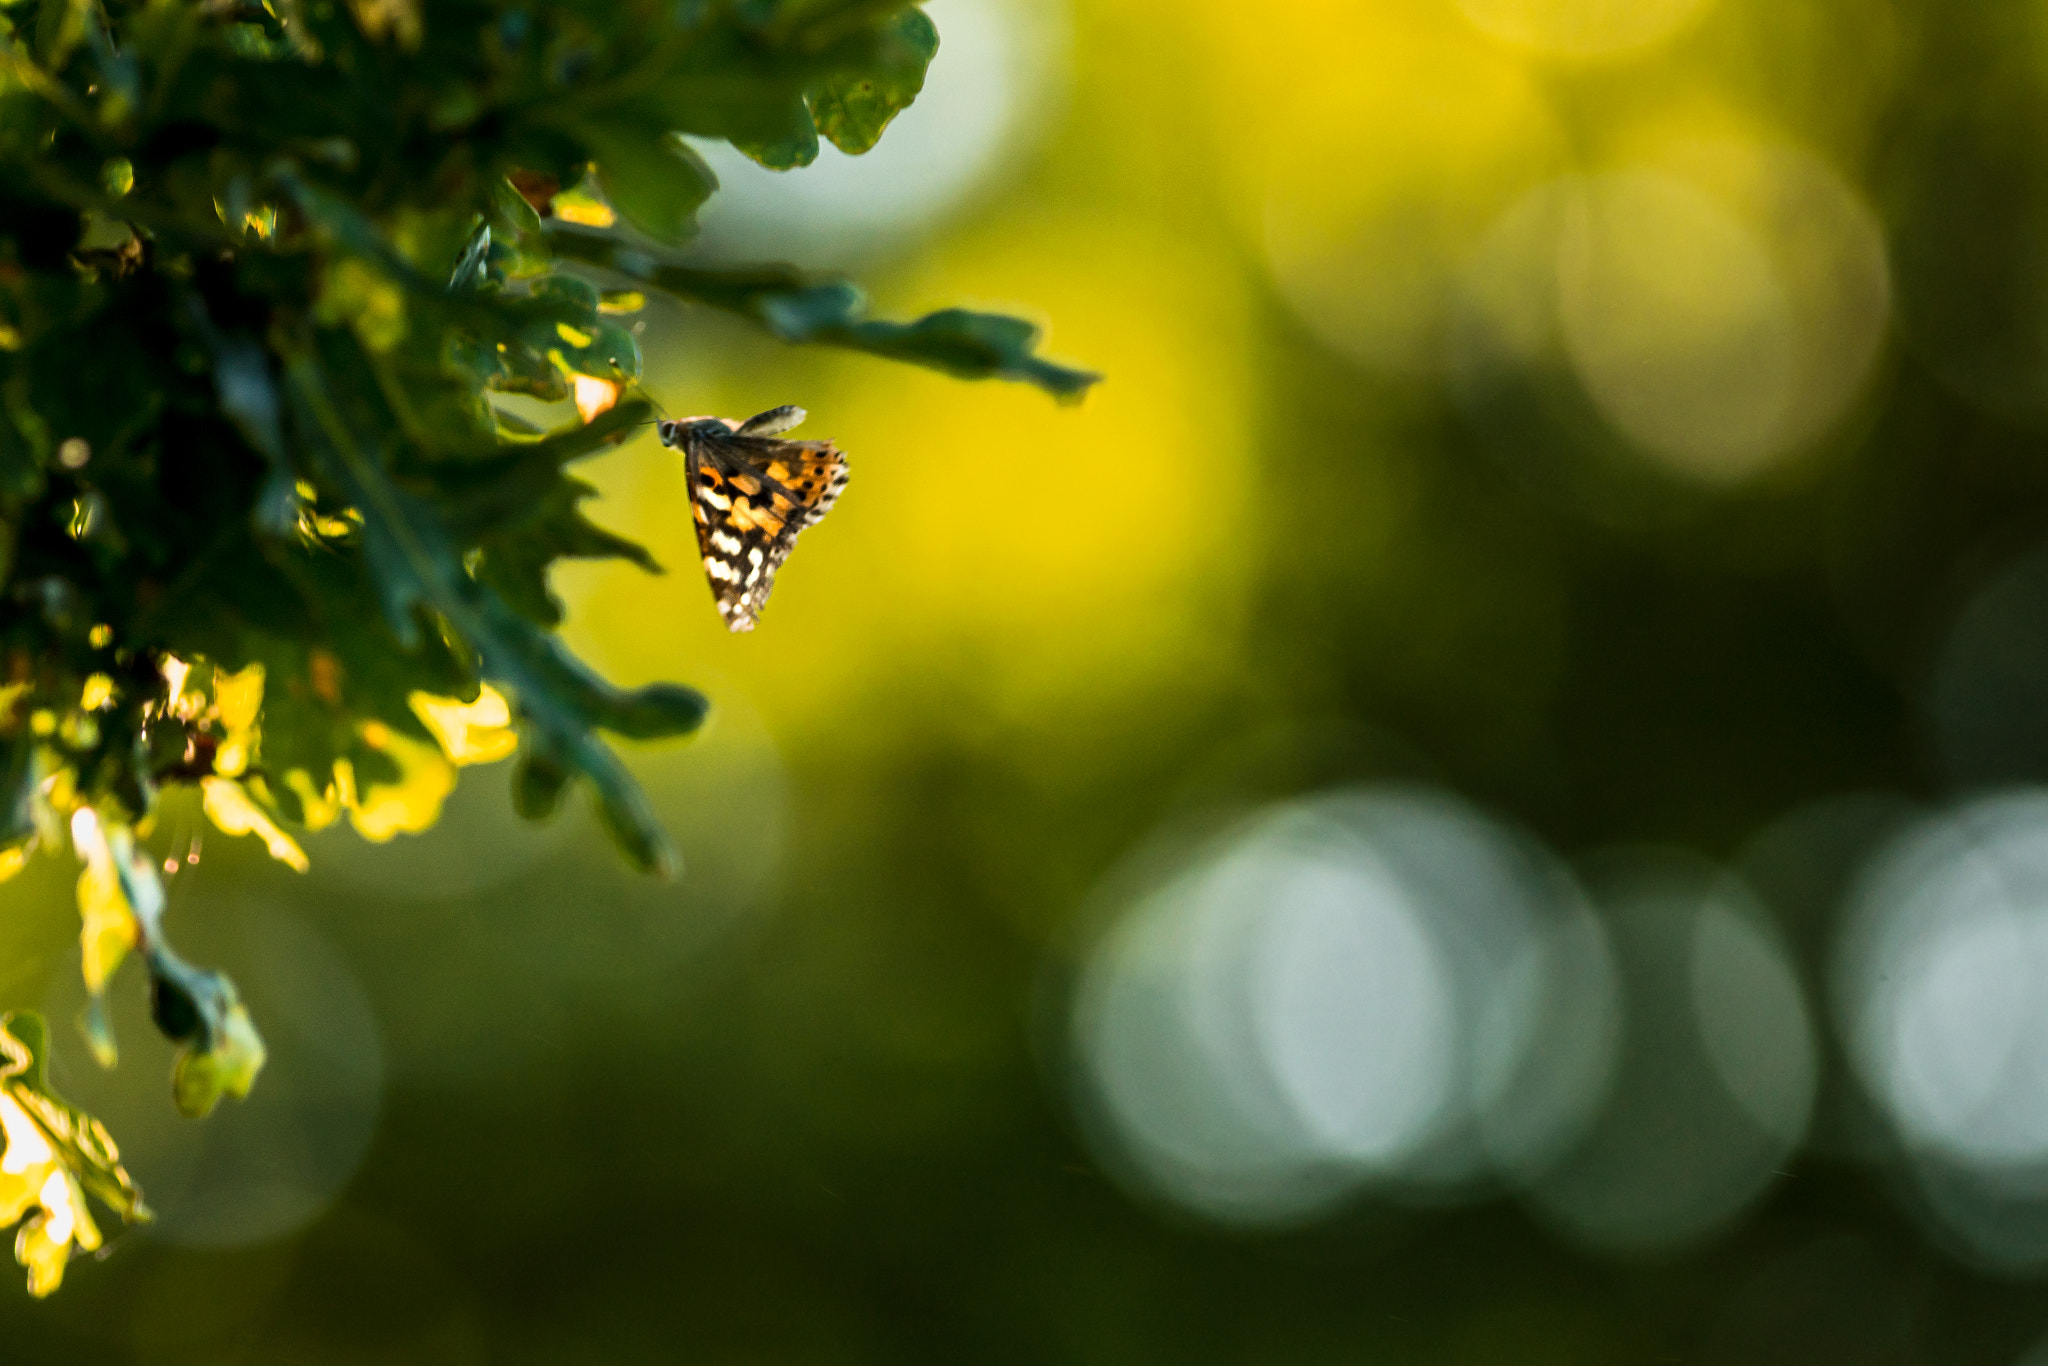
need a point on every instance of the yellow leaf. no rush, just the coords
(322, 807)
(237, 703)
(44, 1243)
(238, 697)
(14, 860)
(33, 1182)
(22, 1165)
(581, 207)
(413, 803)
(53, 1155)
(229, 807)
(345, 784)
(476, 732)
(107, 928)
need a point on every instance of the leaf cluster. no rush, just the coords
(263, 269)
(266, 268)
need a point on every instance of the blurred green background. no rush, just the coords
(1478, 802)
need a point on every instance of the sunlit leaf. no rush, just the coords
(54, 1156)
(228, 805)
(478, 732)
(108, 928)
(237, 703)
(426, 777)
(580, 205)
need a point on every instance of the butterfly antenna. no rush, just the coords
(653, 421)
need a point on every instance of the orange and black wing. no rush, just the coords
(751, 496)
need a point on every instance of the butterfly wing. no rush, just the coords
(774, 422)
(751, 496)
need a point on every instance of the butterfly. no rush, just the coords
(752, 493)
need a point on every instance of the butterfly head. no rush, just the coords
(673, 431)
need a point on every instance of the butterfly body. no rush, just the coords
(751, 493)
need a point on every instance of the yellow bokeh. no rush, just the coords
(1721, 292)
(1585, 29)
(1003, 518)
(1365, 191)
(98, 691)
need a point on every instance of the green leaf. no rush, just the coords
(18, 780)
(60, 27)
(241, 375)
(656, 181)
(516, 556)
(479, 499)
(202, 1010)
(787, 140)
(470, 266)
(248, 398)
(801, 308)
(853, 107)
(537, 780)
